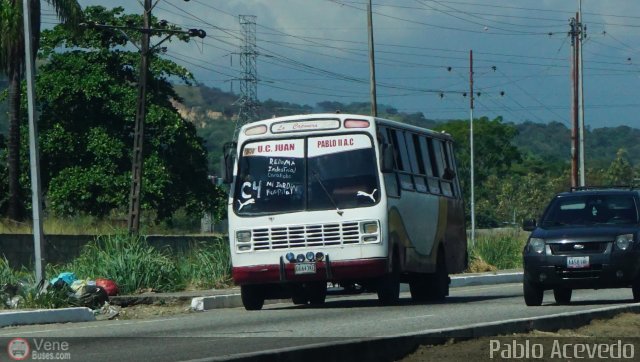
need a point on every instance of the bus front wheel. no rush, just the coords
(317, 292)
(253, 296)
(389, 286)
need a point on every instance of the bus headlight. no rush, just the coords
(624, 241)
(370, 227)
(243, 236)
(537, 245)
(291, 258)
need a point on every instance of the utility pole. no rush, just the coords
(473, 199)
(372, 63)
(249, 82)
(581, 35)
(575, 149)
(138, 137)
(34, 153)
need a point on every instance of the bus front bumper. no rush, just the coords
(328, 270)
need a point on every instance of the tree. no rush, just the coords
(494, 154)
(12, 63)
(621, 171)
(87, 89)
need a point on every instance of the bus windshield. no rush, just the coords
(314, 173)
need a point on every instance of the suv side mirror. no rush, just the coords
(387, 161)
(226, 162)
(529, 225)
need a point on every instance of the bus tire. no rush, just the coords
(419, 288)
(440, 279)
(252, 296)
(389, 286)
(317, 292)
(299, 295)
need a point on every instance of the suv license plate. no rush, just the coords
(577, 262)
(305, 268)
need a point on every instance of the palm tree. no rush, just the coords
(12, 63)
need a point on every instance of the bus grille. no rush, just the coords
(300, 236)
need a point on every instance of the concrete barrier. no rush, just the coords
(42, 316)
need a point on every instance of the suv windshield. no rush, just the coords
(591, 210)
(314, 173)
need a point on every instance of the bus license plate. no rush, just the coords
(577, 262)
(305, 268)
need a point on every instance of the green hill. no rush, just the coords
(214, 111)
(552, 142)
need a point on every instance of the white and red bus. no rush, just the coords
(342, 198)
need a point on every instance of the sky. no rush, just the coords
(309, 51)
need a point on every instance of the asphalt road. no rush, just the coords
(230, 332)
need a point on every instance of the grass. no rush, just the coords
(181, 223)
(133, 264)
(25, 291)
(206, 265)
(130, 261)
(493, 251)
(80, 225)
(137, 266)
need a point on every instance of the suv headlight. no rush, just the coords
(624, 241)
(537, 245)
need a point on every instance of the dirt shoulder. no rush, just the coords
(145, 311)
(600, 340)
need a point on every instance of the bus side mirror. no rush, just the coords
(226, 162)
(386, 162)
(529, 225)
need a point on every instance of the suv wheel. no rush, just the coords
(562, 295)
(532, 293)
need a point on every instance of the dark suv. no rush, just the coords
(587, 238)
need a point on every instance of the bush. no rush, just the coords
(503, 251)
(207, 265)
(128, 260)
(7, 274)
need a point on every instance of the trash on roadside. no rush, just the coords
(107, 311)
(65, 277)
(88, 294)
(108, 285)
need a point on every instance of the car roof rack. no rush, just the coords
(586, 188)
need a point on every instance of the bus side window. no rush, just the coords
(417, 163)
(394, 142)
(406, 179)
(434, 179)
(445, 185)
(449, 171)
(390, 178)
(387, 154)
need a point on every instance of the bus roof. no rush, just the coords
(327, 126)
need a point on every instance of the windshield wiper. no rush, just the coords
(315, 174)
